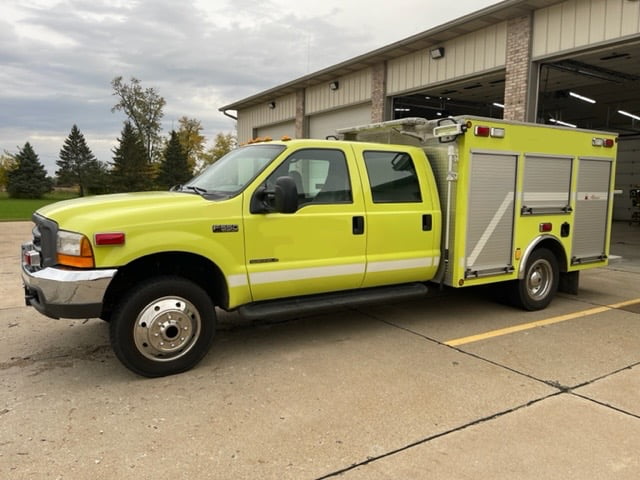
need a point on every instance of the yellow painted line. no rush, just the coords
(539, 323)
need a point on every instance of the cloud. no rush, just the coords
(57, 58)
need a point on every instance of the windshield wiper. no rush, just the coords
(182, 188)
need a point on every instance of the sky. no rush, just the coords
(57, 58)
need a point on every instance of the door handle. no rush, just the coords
(358, 225)
(427, 222)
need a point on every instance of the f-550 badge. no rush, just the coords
(225, 228)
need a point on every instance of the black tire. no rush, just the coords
(540, 283)
(163, 326)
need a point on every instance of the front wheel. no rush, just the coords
(540, 283)
(163, 326)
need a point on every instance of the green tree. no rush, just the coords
(99, 182)
(143, 108)
(223, 144)
(193, 143)
(29, 178)
(77, 165)
(131, 170)
(174, 167)
(7, 163)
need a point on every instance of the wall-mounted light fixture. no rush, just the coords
(335, 85)
(271, 105)
(437, 53)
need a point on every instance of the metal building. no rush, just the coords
(574, 63)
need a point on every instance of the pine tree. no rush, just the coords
(174, 167)
(131, 168)
(29, 178)
(77, 164)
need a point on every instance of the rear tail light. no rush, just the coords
(485, 131)
(481, 131)
(602, 142)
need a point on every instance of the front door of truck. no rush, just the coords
(403, 217)
(320, 247)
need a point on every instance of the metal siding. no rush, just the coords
(630, 18)
(323, 124)
(547, 183)
(261, 116)
(354, 88)
(574, 23)
(278, 130)
(490, 212)
(568, 32)
(592, 202)
(469, 54)
(597, 23)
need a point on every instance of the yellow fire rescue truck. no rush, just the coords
(294, 225)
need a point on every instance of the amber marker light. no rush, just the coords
(74, 250)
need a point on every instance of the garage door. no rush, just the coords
(324, 124)
(627, 177)
(278, 130)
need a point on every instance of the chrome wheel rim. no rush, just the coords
(167, 329)
(539, 279)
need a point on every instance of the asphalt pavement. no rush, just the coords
(454, 387)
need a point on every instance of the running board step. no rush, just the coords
(325, 301)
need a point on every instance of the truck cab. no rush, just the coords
(294, 219)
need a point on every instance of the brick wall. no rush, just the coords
(517, 68)
(300, 114)
(378, 91)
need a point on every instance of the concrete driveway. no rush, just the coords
(454, 387)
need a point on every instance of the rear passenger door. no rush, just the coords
(403, 217)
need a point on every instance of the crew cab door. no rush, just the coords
(321, 246)
(403, 215)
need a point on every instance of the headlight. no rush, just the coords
(74, 250)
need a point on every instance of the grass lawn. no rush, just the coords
(12, 209)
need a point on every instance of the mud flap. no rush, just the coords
(569, 282)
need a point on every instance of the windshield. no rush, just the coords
(231, 174)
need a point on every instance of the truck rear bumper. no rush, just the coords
(59, 293)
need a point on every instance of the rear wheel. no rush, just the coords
(540, 283)
(163, 326)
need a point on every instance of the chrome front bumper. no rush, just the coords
(59, 293)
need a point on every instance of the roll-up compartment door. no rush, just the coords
(490, 214)
(592, 209)
(547, 185)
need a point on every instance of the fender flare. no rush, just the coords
(552, 243)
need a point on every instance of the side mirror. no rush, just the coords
(286, 195)
(283, 199)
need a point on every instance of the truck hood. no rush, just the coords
(119, 211)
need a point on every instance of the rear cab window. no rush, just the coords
(392, 177)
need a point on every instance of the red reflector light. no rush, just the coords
(546, 227)
(109, 238)
(608, 142)
(481, 131)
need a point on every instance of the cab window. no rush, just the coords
(321, 176)
(392, 177)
